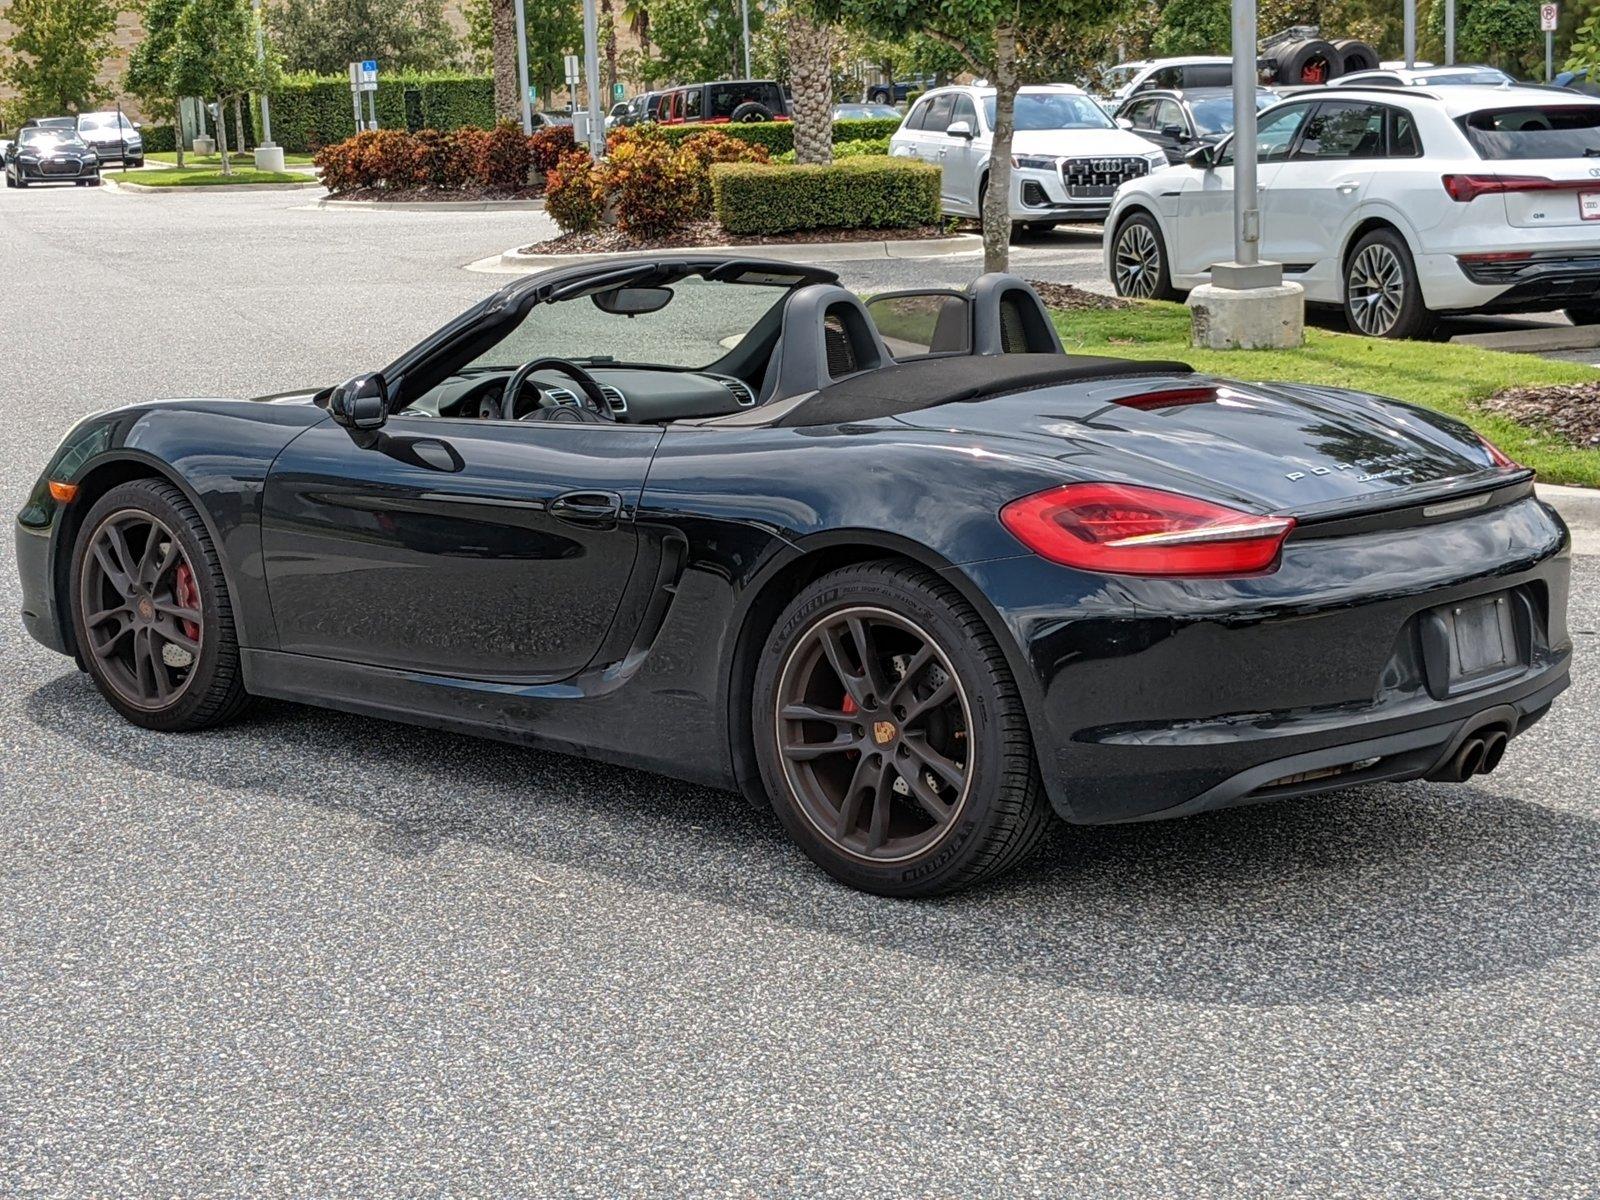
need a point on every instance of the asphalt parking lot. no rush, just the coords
(316, 955)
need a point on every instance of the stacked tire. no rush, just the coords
(1310, 61)
(1356, 56)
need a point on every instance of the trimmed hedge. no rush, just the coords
(158, 139)
(778, 136)
(858, 193)
(312, 111)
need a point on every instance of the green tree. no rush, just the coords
(1194, 27)
(990, 37)
(150, 65)
(555, 29)
(325, 36)
(636, 13)
(698, 41)
(1502, 33)
(214, 55)
(57, 48)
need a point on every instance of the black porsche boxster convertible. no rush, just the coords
(903, 569)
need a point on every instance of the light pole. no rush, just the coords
(1247, 305)
(1449, 33)
(744, 15)
(525, 108)
(269, 156)
(1411, 33)
(591, 68)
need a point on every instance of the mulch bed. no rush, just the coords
(709, 233)
(1064, 295)
(1571, 411)
(438, 195)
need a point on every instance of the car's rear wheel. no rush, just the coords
(1583, 314)
(151, 611)
(1139, 267)
(891, 736)
(1381, 294)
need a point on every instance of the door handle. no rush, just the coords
(1348, 186)
(587, 507)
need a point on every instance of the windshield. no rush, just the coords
(1053, 110)
(1535, 132)
(102, 121)
(1115, 77)
(1215, 114)
(49, 137)
(697, 327)
(1490, 77)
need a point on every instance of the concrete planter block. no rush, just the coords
(1266, 318)
(269, 158)
(204, 145)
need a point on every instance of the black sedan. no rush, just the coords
(1179, 120)
(906, 572)
(45, 154)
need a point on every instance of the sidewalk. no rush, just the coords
(1580, 509)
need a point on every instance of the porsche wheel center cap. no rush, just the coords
(146, 609)
(883, 732)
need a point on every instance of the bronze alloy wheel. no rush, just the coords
(141, 609)
(874, 734)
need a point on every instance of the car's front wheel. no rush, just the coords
(1381, 295)
(151, 613)
(891, 737)
(1139, 266)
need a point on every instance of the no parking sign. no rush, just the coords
(1549, 14)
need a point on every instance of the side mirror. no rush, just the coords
(960, 129)
(138, 124)
(1175, 131)
(361, 402)
(1203, 157)
(1124, 123)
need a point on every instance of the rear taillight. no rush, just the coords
(1121, 529)
(1466, 188)
(1498, 456)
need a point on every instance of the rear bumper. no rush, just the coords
(1159, 698)
(1549, 280)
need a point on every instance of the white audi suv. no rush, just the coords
(1067, 156)
(1398, 204)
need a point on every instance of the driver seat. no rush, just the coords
(826, 335)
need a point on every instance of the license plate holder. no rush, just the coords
(1589, 206)
(1475, 643)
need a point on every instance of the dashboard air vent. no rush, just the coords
(741, 392)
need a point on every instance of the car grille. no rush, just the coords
(51, 167)
(1098, 178)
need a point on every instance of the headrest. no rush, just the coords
(827, 335)
(1009, 318)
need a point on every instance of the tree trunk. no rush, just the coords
(997, 199)
(811, 78)
(177, 127)
(222, 134)
(507, 103)
(608, 30)
(645, 61)
(238, 121)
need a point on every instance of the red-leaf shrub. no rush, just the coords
(442, 163)
(391, 158)
(503, 166)
(340, 166)
(714, 146)
(573, 196)
(546, 147)
(654, 184)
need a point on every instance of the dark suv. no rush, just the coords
(723, 101)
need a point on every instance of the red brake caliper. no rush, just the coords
(188, 596)
(849, 705)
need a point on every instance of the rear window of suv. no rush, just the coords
(726, 97)
(1535, 132)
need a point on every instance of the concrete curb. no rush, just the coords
(1579, 507)
(513, 261)
(1534, 341)
(146, 189)
(438, 205)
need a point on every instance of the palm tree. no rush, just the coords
(810, 46)
(637, 14)
(507, 103)
(608, 26)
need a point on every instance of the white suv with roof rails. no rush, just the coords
(1067, 156)
(1399, 204)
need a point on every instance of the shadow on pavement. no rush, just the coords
(1384, 891)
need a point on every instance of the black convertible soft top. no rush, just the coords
(925, 383)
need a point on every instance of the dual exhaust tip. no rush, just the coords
(1478, 755)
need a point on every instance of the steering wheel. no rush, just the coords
(601, 407)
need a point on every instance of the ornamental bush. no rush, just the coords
(572, 195)
(653, 184)
(867, 192)
(546, 147)
(713, 146)
(503, 166)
